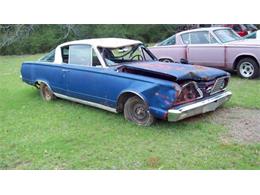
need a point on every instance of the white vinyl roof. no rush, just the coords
(104, 42)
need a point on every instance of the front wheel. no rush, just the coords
(136, 110)
(248, 68)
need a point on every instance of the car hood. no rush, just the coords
(245, 42)
(177, 71)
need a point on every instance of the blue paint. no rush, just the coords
(105, 85)
(180, 71)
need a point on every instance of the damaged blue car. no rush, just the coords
(123, 76)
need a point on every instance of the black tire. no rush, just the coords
(248, 68)
(136, 110)
(46, 92)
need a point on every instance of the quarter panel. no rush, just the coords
(233, 52)
(48, 72)
(174, 52)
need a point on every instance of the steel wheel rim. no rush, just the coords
(139, 112)
(246, 69)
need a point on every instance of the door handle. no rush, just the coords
(65, 70)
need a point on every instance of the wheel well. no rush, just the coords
(161, 59)
(240, 58)
(37, 84)
(123, 98)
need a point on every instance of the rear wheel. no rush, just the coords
(248, 68)
(136, 110)
(46, 92)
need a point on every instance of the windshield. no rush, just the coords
(133, 53)
(227, 35)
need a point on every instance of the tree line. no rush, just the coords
(30, 39)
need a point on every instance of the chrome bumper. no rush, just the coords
(199, 107)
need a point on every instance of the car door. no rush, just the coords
(84, 79)
(203, 49)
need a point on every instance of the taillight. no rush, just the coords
(189, 93)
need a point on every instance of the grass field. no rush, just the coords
(65, 135)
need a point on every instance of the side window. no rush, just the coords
(48, 57)
(80, 54)
(199, 37)
(65, 54)
(186, 38)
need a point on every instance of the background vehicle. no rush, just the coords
(121, 75)
(240, 29)
(253, 35)
(250, 28)
(218, 47)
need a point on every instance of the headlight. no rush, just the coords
(219, 85)
(189, 92)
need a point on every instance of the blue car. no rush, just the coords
(122, 75)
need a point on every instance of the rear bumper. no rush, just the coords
(200, 107)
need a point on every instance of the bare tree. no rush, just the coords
(13, 33)
(10, 33)
(70, 29)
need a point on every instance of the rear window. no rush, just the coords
(170, 41)
(48, 57)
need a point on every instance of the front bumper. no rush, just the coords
(200, 107)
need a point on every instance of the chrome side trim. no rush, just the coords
(86, 102)
(200, 107)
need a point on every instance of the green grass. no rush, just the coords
(65, 135)
(246, 93)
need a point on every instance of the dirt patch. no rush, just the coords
(153, 161)
(243, 124)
